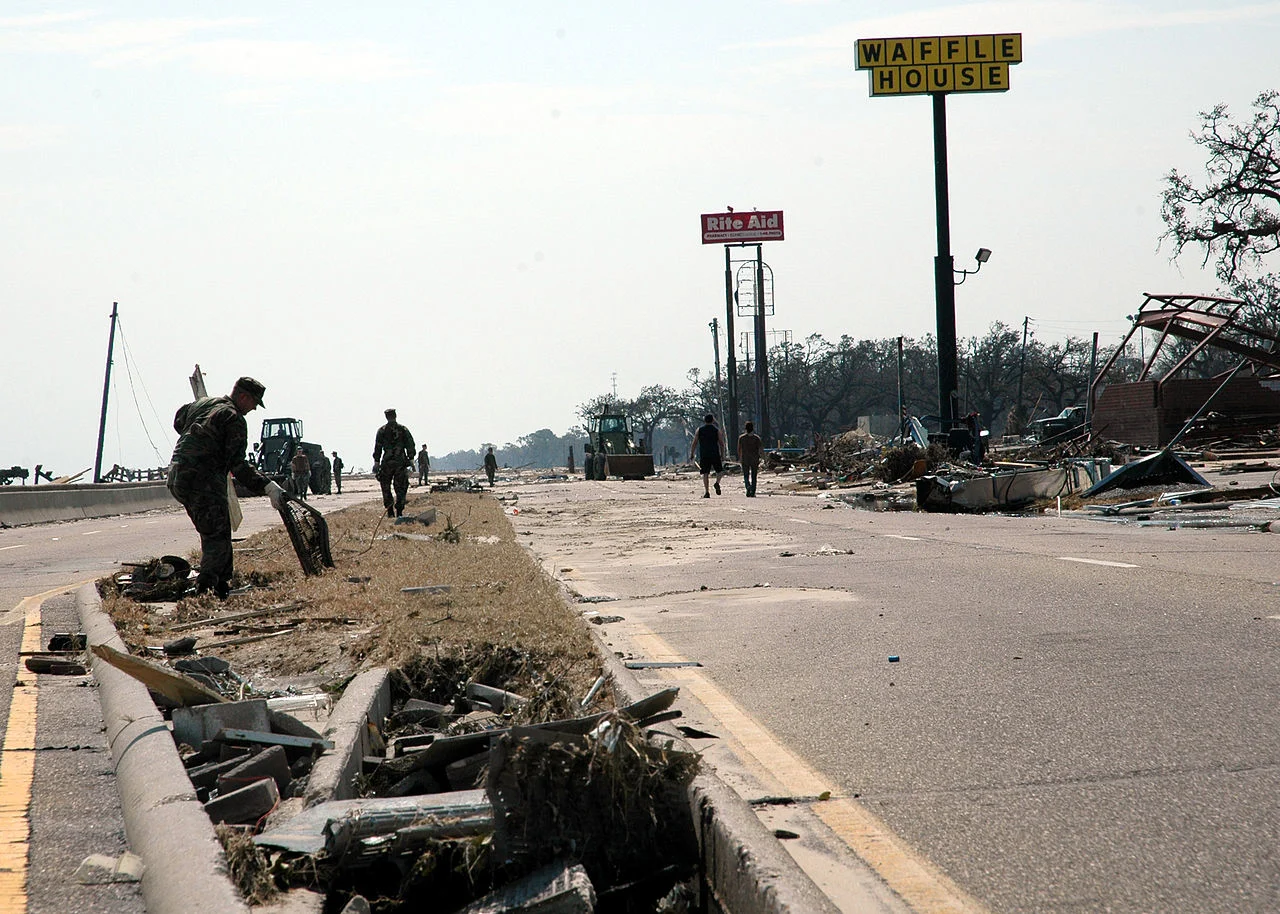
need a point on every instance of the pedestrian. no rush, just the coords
(300, 467)
(708, 450)
(750, 449)
(337, 471)
(490, 466)
(424, 464)
(212, 437)
(392, 457)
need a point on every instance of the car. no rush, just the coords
(1060, 427)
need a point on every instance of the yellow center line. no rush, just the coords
(916, 881)
(18, 763)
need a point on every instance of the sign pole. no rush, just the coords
(731, 364)
(944, 271)
(762, 367)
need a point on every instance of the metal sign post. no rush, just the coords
(740, 229)
(937, 66)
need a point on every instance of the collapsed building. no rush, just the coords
(1152, 410)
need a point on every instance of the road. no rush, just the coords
(58, 801)
(1010, 714)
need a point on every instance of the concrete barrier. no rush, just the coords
(20, 505)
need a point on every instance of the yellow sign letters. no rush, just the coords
(952, 63)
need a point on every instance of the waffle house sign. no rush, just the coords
(952, 63)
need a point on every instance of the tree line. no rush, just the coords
(821, 387)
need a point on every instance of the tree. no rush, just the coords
(1235, 215)
(655, 404)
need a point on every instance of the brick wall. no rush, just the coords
(1130, 412)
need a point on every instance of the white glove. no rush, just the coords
(276, 494)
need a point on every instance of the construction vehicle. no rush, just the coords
(611, 451)
(280, 439)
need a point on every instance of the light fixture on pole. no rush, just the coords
(983, 255)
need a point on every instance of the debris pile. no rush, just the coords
(468, 795)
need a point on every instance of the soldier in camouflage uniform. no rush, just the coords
(393, 451)
(212, 437)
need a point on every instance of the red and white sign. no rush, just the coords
(727, 228)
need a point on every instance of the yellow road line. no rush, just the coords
(17, 766)
(914, 879)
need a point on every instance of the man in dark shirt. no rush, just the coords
(393, 451)
(750, 448)
(708, 450)
(337, 471)
(212, 437)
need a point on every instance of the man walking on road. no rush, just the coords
(337, 471)
(392, 456)
(212, 437)
(490, 466)
(424, 465)
(750, 448)
(708, 450)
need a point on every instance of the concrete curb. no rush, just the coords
(366, 699)
(22, 505)
(186, 870)
(744, 865)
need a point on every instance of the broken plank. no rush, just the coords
(247, 639)
(236, 617)
(180, 689)
(262, 738)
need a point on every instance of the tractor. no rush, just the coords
(611, 451)
(280, 438)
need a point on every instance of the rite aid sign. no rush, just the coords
(727, 228)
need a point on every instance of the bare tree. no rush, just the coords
(1235, 215)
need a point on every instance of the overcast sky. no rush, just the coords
(480, 212)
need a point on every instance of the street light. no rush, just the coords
(983, 255)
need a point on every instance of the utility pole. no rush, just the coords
(902, 410)
(1022, 364)
(106, 387)
(715, 343)
(1088, 400)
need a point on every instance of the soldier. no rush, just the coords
(337, 471)
(300, 467)
(212, 437)
(750, 448)
(490, 466)
(424, 464)
(392, 456)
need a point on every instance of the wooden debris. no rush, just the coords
(236, 617)
(182, 690)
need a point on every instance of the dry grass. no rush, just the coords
(356, 615)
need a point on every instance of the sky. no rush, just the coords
(485, 213)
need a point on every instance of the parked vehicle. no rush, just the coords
(1067, 424)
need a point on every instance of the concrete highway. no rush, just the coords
(1010, 714)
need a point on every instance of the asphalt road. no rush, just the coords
(65, 806)
(1081, 716)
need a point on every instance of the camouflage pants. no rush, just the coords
(204, 495)
(302, 484)
(391, 474)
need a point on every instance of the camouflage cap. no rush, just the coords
(254, 388)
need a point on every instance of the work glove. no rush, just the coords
(276, 494)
